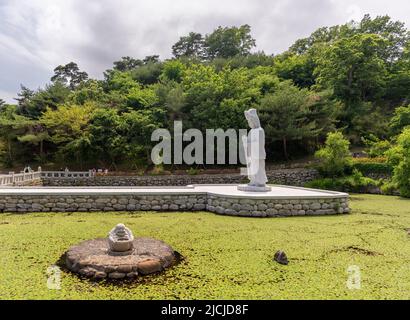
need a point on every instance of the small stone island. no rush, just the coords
(120, 256)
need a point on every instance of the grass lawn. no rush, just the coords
(225, 257)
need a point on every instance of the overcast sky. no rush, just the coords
(38, 35)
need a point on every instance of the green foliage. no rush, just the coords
(148, 73)
(33, 104)
(399, 158)
(393, 32)
(191, 46)
(140, 98)
(229, 42)
(347, 78)
(2, 104)
(137, 128)
(70, 75)
(353, 68)
(389, 187)
(375, 147)
(173, 70)
(108, 144)
(127, 64)
(285, 115)
(334, 158)
(369, 166)
(89, 91)
(355, 182)
(217, 99)
(12, 126)
(298, 68)
(400, 120)
(67, 128)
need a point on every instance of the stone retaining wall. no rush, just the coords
(277, 207)
(193, 202)
(292, 177)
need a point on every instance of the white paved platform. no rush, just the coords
(277, 192)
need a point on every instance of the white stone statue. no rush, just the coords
(254, 147)
(120, 239)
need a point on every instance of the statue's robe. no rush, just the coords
(256, 156)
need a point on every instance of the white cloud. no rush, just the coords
(37, 35)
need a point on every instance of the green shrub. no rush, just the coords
(373, 167)
(399, 158)
(376, 147)
(355, 182)
(389, 187)
(334, 158)
(325, 184)
(400, 120)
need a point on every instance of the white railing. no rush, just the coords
(67, 174)
(19, 178)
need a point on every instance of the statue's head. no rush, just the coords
(120, 232)
(253, 119)
(120, 226)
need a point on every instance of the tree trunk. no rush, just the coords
(148, 156)
(350, 79)
(41, 150)
(9, 150)
(285, 148)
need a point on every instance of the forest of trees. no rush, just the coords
(353, 78)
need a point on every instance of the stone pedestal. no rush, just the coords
(93, 259)
(248, 188)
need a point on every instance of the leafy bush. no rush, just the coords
(399, 158)
(382, 160)
(372, 165)
(376, 147)
(400, 120)
(334, 158)
(355, 182)
(389, 187)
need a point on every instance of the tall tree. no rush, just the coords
(11, 127)
(108, 141)
(393, 32)
(321, 35)
(229, 42)
(68, 128)
(35, 135)
(151, 59)
(24, 97)
(127, 64)
(285, 115)
(353, 69)
(33, 104)
(298, 68)
(70, 75)
(190, 46)
(2, 104)
(400, 120)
